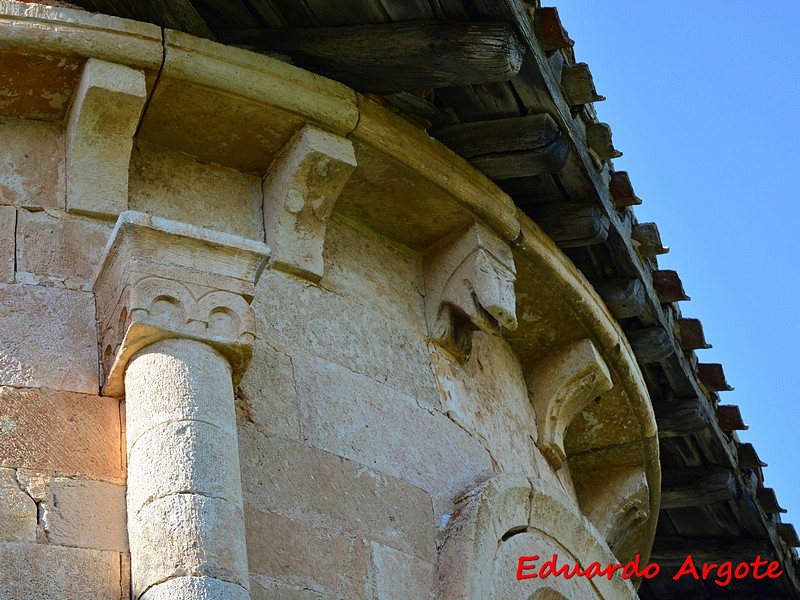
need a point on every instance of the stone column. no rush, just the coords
(177, 332)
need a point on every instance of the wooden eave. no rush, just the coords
(582, 203)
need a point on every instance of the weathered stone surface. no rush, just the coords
(64, 432)
(8, 224)
(86, 514)
(469, 284)
(186, 534)
(351, 334)
(166, 376)
(356, 417)
(373, 270)
(300, 189)
(196, 588)
(297, 554)
(31, 163)
(176, 186)
(263, 588)
(55, 244)
(103, 117)
(183, 457)
(48, 338)
(44, 572)
(17, 510)
(488, 397)
(312, 486)
(267, 393)
(399, 576)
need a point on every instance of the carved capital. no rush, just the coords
(300, 190)
(164, 279)
(560, 386)
(102, 120)
(469, 284)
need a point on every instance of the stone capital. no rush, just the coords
(163, 279)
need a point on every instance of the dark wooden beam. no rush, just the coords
(748, 458)
(648, 238)
(571, 224)
(668, 286)
(650, 345)
(729, 418)
(578, 86)
(549, 31)
(712, 377)
(668, 551)
(690, 333)
(508, 148)
(390, 57)
(173, 14)
(769, 501)
(697, 486)
(676, 418)
(598, 138)
(623, 297)
(622, 191)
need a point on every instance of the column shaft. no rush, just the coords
(185, 513)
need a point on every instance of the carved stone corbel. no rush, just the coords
(300, 190)
(619, 504)
(103, 118)
(469, 284)
(560, 386)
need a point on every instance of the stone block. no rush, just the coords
(375, 271)
(60, 432)
(196, 588)
(356, 417)
(57, 245)
(17, 510)
(263, 588)
(31, 163)
(488, 397)
(85, 514)
(183, 457)
(176, 186)
(48, 338)
(170, 539)
(300, 555)
(399, 576)
(325, 324)
(8, 225)
(267, 393)
(312, 486)
(44, 572)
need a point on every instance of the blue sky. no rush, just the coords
(702, 98)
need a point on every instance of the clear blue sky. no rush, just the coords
(703, 100)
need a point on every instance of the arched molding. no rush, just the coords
(507, 505)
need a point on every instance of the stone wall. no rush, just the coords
(395, 439)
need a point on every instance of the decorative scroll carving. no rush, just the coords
(300, 189)
(560, 386)
(163, 279)
(104, 115)
(621, 504)
(469, 284)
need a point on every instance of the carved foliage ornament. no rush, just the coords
(164, 279)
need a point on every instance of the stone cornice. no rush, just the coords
(163, 279)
